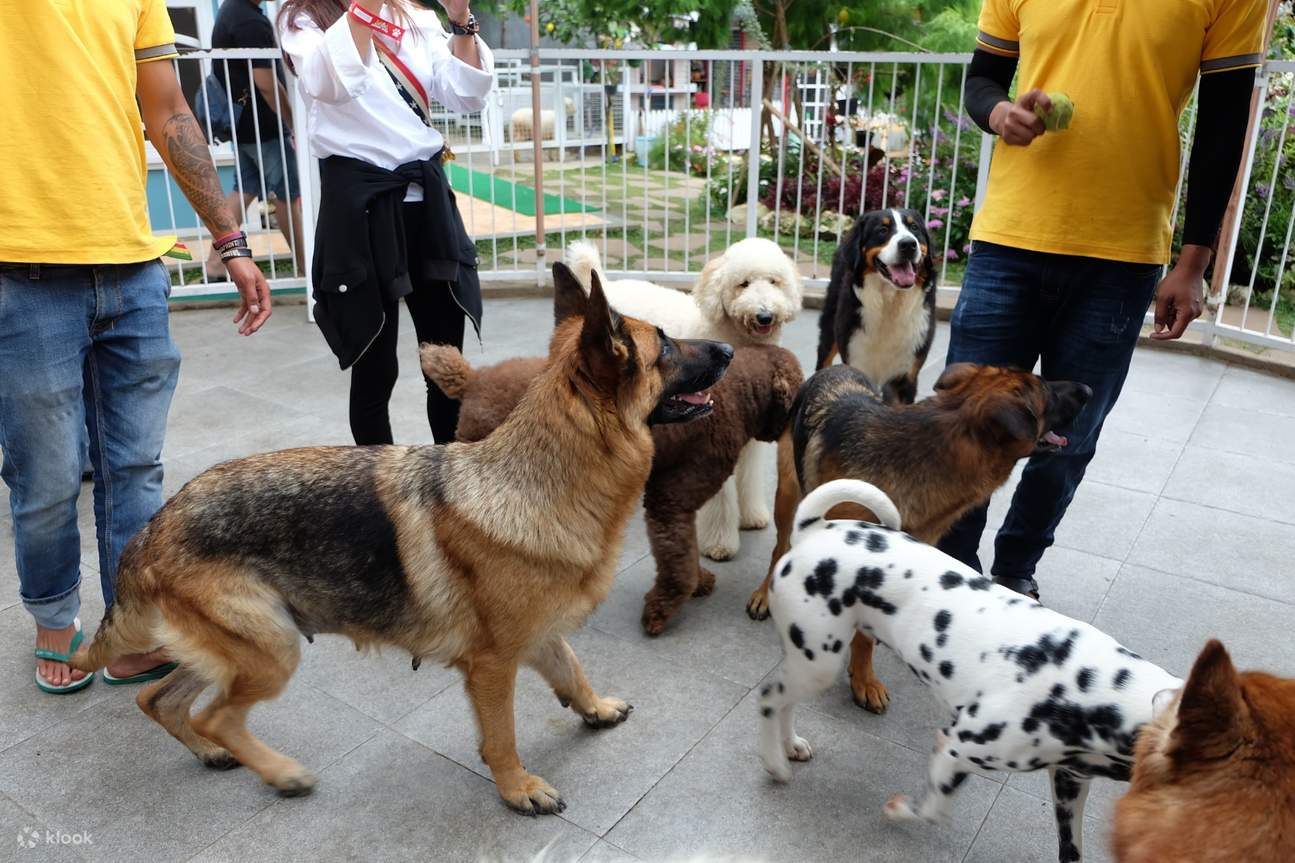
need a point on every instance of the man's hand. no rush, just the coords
(1179, 296)
(254, 290)
(1015, 122)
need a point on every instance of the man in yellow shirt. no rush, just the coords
(1068, 248)
(84, 338)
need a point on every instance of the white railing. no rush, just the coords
(650, 154)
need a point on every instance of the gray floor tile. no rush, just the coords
(223, 417)
(600, 774)
(1134, 461)
(1170, 373)
(1244, 388)
(1104, 520)
(382, 685)
(114, 772)
(1220, 547)
(392, 799)
(1168, 418)
(605, 852)
(1168, 619)
(1249, 432)
(38, 840)
(735, 808)
(1247, 484)
(1022, 829)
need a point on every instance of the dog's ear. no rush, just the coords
(1212, 714)
(569, 299)
(955, 375)
(852, 249)
(1016, 421)
(601, 346)
(928, 265)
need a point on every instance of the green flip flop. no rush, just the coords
(54, 656)
(157, 672)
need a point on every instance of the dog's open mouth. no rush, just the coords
(683, 407)
(761, 330)
(1050, 442)
(901, 274)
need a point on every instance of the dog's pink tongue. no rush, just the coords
(693, 398)
(903, 274)
(1054, 439)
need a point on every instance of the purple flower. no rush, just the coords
(966, 250)
(951, 255)
(938, 195)
(933, 224)
(964, 201)
(1261, 190)
(940, 211)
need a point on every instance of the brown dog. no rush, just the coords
(935, 459)
(477, 555)
(1214, 774)
(692, 461)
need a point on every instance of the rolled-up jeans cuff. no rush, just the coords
(56, 612)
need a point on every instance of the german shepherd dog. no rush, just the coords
(1214, 772)
(879, 314)
(935, 459)
(480, 556)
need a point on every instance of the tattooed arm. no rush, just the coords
(178, 138)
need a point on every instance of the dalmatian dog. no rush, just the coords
(1028, 688)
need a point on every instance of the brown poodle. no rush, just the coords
(692, 460)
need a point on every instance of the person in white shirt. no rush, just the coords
(388, 224)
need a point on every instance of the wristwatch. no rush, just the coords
(470, 28)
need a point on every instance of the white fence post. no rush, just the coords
(307, 181)
(982, 172)
(753, 155)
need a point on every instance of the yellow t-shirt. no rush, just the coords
(72, 169)
(1104, 188)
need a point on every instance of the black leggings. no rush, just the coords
(437, 319)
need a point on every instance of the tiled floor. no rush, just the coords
(1182, 531)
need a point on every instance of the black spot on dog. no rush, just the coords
(946, 670)
(1035, 763)
(831, 525)
(823, 579)
(926, 652)
(1032, 657)
(980, 583)
(1014, 601)
(807, 522)
(913, 669)
(926, 677)
(986, 735)
(908, 573)
(1011, 765)
(834, 606)
(869, 578)
(979, 762)
(942, 639)
(1121, 678)
(1084, 678)
(1058, 691)
(781, 688)
(1078, 726)
(786, 570)
(809, 654)
(766, 712)
(1068, 851)
(1124, 651)
(764, 693)
(952, 785)
(942, 620)
(852, 537)
(974, 708)
(1065, 785)
(797, 637)
(836, 646)
(1028, 724)
(950, 580)
(877, 542)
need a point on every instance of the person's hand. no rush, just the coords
(1015, 122)
(456, 9)
(1179, 295)
(254, 290)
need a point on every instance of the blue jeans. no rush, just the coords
(280, 170)
(81, 347)
(1081, 317)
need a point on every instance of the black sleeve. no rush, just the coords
(988, 78)
(256, 34)
(1222, 112)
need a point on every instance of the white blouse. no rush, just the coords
(353, 106)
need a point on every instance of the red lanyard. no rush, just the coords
(378, 25)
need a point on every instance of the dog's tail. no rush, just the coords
(130, 624)
(446, 367)
(820, 501)
(583, 259)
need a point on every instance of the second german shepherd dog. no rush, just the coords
(935, 459)
(480, 556)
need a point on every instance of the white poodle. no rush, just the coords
(742, 297)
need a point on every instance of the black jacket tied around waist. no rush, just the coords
(359, 263)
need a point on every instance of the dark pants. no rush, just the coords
(1081, 317)
(438, 320)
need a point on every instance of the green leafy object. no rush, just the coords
(1063, 110)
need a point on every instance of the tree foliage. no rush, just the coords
(605, 23)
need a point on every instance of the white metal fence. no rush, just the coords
(664, 158)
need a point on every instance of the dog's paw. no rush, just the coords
(757, 607)
(798, 749)
(777, 766)
(756, 519)
(531, 795)
(607, 712)
(705, 583)
(900, 808)
(720, 549)
(294, 783)
(219, 759)
(871, 695)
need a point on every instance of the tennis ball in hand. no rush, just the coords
(1059, 117)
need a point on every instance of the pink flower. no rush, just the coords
(938, 195)
(934, 224)
(940, 211)
(951, 255)
(964, 201)
(966, 250)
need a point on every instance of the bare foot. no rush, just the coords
(58, 640)
(135, 663)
